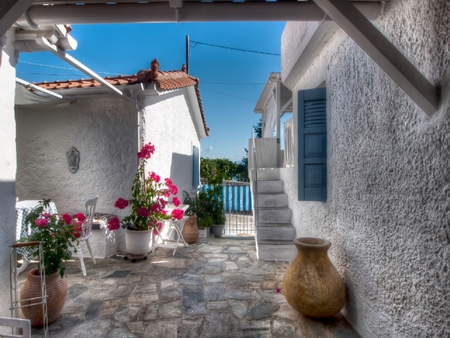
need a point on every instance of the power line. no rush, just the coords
(238, 49)
(234, 83)
(238, 97)
(65, 68)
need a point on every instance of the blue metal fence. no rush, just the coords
(236, 195)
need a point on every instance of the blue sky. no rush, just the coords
(231, 81)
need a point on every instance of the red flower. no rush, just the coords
(159, 226)
(168, 182)
(80, 217)
(155, 208)
(154, 177)
(114, 224)
(176, 201)
(177, 214)
(163, 202)
(146, 151)
(43, 222)
(121, 203)
(78, 228)
(142, 211)
(173, 189)
(67, 218)
(46, 215)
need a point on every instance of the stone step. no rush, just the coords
(276, 250)
(272, 231)
(272, 200)
(267, 174)
(274, 215)
(272, 186)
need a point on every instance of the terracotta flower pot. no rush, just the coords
(312, 285)
(190, 230)
(56, 297)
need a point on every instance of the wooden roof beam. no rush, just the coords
(383, 52)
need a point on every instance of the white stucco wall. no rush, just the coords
(167, 123)
(103, 130)
(7, 169)
(387, 213)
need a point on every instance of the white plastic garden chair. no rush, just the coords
(86, 231)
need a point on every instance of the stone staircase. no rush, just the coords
(274, 231)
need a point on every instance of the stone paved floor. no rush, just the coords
(215, 288)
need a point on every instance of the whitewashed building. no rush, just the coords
(107, 130)
(371, 173)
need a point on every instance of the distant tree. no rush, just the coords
(242, 169)
(218, 169)
(258, 129)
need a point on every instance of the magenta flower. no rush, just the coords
(46, 215)
(146, 151)
(121, 203)
(80, 217)
(67, 218)
(156, 208)
(176, 201)
(163, 202)
(168, 182)
(43, 222)
(166, 192)
(114, 224)
(154, 177)
(142, 211)
(159, 226)
(173, 189)
(177, 214)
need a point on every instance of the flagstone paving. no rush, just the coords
(215, 288)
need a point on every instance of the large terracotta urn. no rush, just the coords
(56, 297)
(312, 285)
(190, 231)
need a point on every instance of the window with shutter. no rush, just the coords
(195, 168)
(312, 145)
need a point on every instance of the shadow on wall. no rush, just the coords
(181, 173)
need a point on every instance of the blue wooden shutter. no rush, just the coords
(312, 145)
(195, 168)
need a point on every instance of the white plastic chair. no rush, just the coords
(86, 231)
(15, 324)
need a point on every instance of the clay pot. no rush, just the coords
(137, 243)
(56, 297)
(190, 230)
(312, 285)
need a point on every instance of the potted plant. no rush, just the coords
(150, 196)
(57, 234)
(204, 226)
(190, 231)
(213, 206)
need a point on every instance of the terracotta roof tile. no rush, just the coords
(166, 80)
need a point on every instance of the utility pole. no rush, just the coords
(187, 54)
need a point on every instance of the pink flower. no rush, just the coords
(164, 212)
(166, 192)
(43, 222)
(78, 228)
(176, 201)
(163, 202)
(278, 290)
(177, 214)
(156, 208)
(159, 226)
(168, 182)
(80, 217)
(173, 189)
(146, 151)
(142, 211)
(114, 224)
(67, 218)
(46, 215)
(121, 203)
(154, 177)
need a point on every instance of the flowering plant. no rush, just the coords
(149, 199)
(56, 233)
